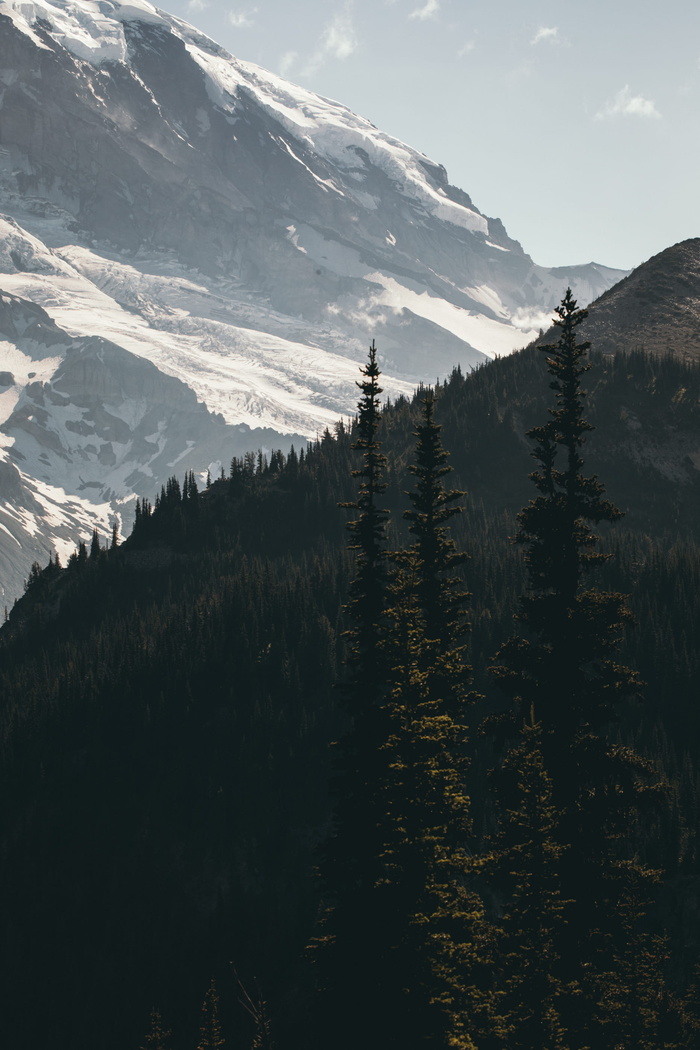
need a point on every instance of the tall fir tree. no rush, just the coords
(635, 1008)
(564, 676)
(405, 934)
(366, 607)
(158, 1037)
(348, 951)
(525, 869)
(257, 1009)
(95, 549)
(440, 940)
(210, 1037)
(440, 594)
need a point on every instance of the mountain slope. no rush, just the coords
(245, 236)
(165, 707)
(150, 135)
(655, 308)
(88, 426)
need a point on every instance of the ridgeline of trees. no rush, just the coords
(499, 851)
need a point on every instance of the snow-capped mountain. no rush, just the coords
(194, 255)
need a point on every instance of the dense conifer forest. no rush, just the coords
(276, 782)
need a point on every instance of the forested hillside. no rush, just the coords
(168, 704)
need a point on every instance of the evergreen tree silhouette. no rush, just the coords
(95, 549)
(525, 866)
(407, 935)
(440, 938)
(441, 596)
(210, 1037)
(565, 678)
(158, 1037)
(349, 950)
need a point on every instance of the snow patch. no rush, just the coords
(488, 297)
(80, 27)
(491, 337)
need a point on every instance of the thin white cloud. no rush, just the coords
(548, 34)
(196, 5)
(429, 10)
(338, 40)
(287, 61)
(527, 319)
(240, 19)
(625, 104)
(466, 49)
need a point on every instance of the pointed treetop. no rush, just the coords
(210, 1037)
(158, 1037)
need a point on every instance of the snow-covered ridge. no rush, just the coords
(331, 130)
(93, 31)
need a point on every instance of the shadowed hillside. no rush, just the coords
(656, 308)
(167, 704)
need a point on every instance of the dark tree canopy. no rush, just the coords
(167, 706)
(567, 683)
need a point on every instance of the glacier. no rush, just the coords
(194, 256)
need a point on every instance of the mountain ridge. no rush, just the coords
(656, 307)
(246, 237)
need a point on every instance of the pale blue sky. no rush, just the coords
(576, 124)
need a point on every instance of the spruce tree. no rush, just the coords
(366, 607)
(525, 867)
(95, 549)
(440, 594)
(158, 1037)
(348, 950)
(564, 676)
(435, 921)
(257, 1010)
(210, 1037)
(399, 950)
(634, 1007)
